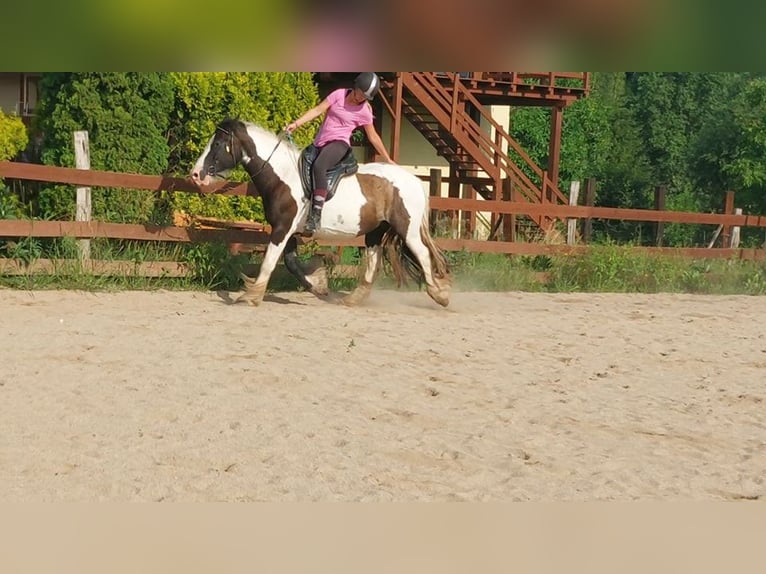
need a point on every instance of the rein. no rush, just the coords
(246, 159)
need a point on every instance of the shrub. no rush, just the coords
(13, 136)
(126, 116)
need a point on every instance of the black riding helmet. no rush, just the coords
(369, 83)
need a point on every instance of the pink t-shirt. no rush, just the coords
(342, 118)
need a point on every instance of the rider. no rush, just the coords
(345, 110)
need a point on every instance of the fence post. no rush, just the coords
(659, 205)
(728, 209)
(735, 231)
(590, 199)
(83, 210)
(574, 193)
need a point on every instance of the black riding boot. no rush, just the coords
(315, 215)
(312, 223)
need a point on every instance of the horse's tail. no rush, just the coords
(439, 265)
(403, 263)
(401, 260)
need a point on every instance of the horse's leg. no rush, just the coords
(255, 289)
(316, 281)
(431, 260)
(372, 255)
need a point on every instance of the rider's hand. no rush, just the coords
(291, 127)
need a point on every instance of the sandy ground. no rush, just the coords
(150, 396)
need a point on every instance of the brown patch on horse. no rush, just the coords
(383, 203)
(279, 206)
(280, 209)
(239, 130)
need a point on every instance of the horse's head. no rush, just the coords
(228, 146)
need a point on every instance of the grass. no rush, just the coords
(608, 268)
(625, 270)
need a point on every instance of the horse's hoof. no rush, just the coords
(441, 296)
(246, 279)
(246, 299)
(358, 295)
(318, 281)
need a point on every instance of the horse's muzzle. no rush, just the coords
(197, 180)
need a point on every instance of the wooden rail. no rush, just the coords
(95, 178)
(232, 236)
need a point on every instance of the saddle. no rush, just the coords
(346, 166)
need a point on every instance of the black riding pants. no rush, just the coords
(329, 156)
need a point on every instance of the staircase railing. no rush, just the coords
(487, 151)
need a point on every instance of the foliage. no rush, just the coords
(271, 99)
(10, 206)
(126, 116)
(622, 268)
(697, 134)
(214, 267)
(13, 139)
(731, 150)
(492, 272)
(13, 136)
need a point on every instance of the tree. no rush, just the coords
(126, 116)
(673, 112)
(731, 152)
(13, 139)
(600, 139)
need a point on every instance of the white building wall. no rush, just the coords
(9, 92)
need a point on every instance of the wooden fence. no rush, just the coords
(503, 208)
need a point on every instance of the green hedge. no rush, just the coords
(203, 99)
(157, 123)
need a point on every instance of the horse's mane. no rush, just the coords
(268, 135)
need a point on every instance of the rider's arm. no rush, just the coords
(313, 113)
(377, 143)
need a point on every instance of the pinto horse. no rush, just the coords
(384, 202)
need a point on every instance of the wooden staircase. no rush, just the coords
(440, 106)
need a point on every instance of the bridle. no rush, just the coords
(246, 159)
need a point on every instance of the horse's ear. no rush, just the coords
(227, 124)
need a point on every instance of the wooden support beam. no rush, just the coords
(554, 145)
(468, 218)
(728, 209)
(396, 127)
(659, 204)
(590, 198)
(453, 191)
(574, 193)
(83, 202)
(509, 219)
(735, 233)
(434, 190)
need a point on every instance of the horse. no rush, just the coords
(383, 202)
